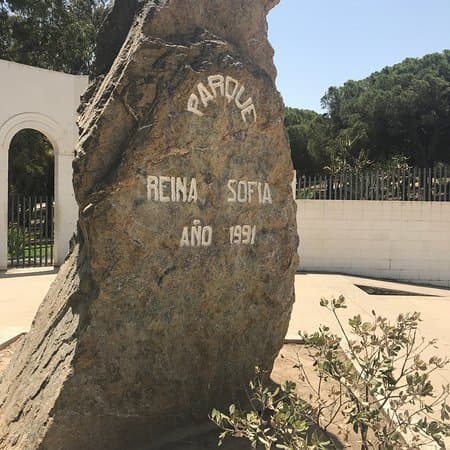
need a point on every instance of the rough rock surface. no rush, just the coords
(182, 277)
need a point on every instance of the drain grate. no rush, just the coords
(374, 290)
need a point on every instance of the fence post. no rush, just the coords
(294, 184)
(446, 184)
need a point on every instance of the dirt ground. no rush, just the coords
(283, 370)
(295, 354)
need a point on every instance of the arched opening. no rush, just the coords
(31, 186)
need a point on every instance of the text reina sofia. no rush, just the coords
(165, 189)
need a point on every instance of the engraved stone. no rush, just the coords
(181, 278)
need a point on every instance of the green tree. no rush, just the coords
(31, 164)
(401, 110)
(307, 131)
(52, 34)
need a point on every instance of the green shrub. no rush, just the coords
(278, 418)
(16, 242)
(381, 387)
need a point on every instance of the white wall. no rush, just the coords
(47, 102)
(407, 241)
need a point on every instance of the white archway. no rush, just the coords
(44, 101)
(64, 210)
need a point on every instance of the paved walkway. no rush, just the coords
(435, 311)
(21, 292)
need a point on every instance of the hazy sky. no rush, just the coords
(322, 43)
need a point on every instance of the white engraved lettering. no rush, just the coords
(220, 86)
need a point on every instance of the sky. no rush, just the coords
(323, 43)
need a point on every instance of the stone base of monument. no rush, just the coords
(205, 436)
(201, 439)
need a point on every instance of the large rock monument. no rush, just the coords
(181, 278)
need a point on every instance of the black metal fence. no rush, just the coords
(30, 231)
(431, 185)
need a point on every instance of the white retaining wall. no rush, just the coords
(408, 241)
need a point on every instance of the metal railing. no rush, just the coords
(414, 184)
(30, 231)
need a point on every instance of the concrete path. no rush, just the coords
(21, 292)
(435, 311)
